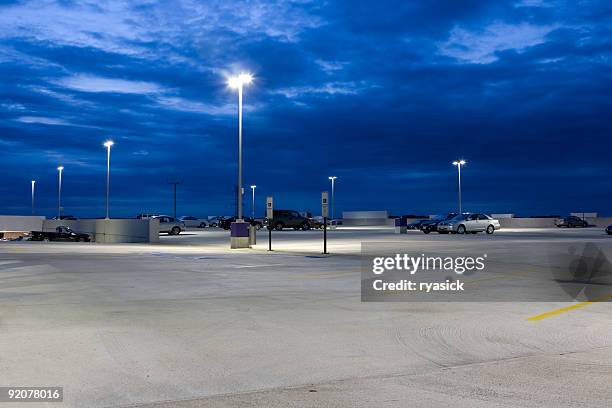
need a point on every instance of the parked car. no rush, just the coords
(61, 233)
(428, 226)
(288, 219)
(571, 222)
(469, 223)
(226, 223)
(414, 225)
(214, 222)
(146, 216)
(65, 217)
(193, 222)
(609, 229)
(170, 225)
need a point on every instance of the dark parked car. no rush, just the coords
(65, 217)
(609, 229)
(61, 233)
(414, 225)
(428, 226)
(289, 219)
(571, 222)
(226, 223)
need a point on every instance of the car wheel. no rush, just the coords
(279, 226)
(461, 229)
(202, 225)
(305, 226)
(46, 239)
(257, 227)
(175, 231)
(426, 231)
(490, 229)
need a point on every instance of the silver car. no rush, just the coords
(170, 225)
(193, 222)
(469, 223)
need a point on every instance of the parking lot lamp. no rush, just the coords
(333, 182)
(238, 82)
(33, 185)
(253, 203)
(459, 163)
(59, 192)
(108, 145)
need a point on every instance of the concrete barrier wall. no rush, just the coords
(366, 218)
(21, 222)
(527, 222)
(111, 231)
(547, 222)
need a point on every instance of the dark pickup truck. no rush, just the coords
(60, 234)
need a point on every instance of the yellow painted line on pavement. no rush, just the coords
(568, 308)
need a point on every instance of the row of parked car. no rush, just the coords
(455, 223)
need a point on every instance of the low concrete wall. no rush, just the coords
(21, 222)
(547, 222)
(366, 218)
(113, 230)
(527, 222)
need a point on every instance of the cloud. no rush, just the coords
(481, 46)
(90, 83)
(326, 89)
(43, 120)
(185, 105)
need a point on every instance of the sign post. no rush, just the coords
(325, 214)
(270, 217)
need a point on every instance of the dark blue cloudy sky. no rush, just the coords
(383, 95)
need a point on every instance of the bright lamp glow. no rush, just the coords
(460, 162)
(108, 143)
(253, 186)
(60, 168)
(238, 81)
(332, 177)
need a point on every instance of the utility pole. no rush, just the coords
(174, 183)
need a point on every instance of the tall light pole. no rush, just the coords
(238, 82)
(253, 203)
(108, 145)
(174, 183)
(33, 185)
(333, 182)
(459, 163)
(59, 192)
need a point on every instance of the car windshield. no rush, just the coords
(459, 217)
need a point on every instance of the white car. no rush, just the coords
(193, 222)
(469, 223)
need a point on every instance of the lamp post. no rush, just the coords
(108, 145)
(59, 192)
(333, 180)
(238, 82)
(459, 163)
(253, 202)
(33, 185)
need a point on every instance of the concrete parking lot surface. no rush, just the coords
(190, 323)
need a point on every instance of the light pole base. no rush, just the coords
(239, 237)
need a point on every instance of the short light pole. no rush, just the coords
(238, 83)
(459, 163)
(253, 202)
(59, 192)
(108, 145)
(333, 182)
(33, 185)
